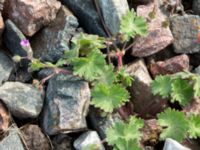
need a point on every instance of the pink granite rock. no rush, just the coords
(158, 36)
(31, 15)
(170, 66)
(144, 102)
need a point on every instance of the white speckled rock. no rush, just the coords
(88, 140)
(171, 144)
(185, 32)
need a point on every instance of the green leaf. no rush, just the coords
(197, 87)
(174, 123)
(86, 43)
(36, 65)
(162, 86)
(125, 136)
(107, 76)
(132, 25)
(194, 124)
(124, 77)
(89, 67)
(182, 92)
(68, 57)
(108, 97)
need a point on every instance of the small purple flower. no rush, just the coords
(24, 43)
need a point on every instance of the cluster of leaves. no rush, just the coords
(109, 87)
(178, 126)
(125, 136)
(180, 87)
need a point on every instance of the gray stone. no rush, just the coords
(6, 67)
(87, 15)
(23, 100)
(197, 70)
(12, 141)
(196, 7)
(141, 91)
(88, 140)
(185, 32)
(158, 37)
(52, 41)
(12, 37)
(67, 101)
(171, 144)
(112, 11)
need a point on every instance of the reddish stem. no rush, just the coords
(119, 59)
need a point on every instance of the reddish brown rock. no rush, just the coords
(1, 25)
(158, 37)
(150, 132)
(34, 138)
(31, 15)
(144, 102)
(193, 108)
(170, 66)
(4, 118)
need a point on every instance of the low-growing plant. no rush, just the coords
(109, 84)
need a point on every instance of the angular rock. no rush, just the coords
(4, 117)
(141, 91)
(1, 4)
(6, 67)
(67, 101)
(100, 123)
(31, 16)
(52, 41)
(1, 26)
(151, 132)
(171, 144)
(170, 66)
(185, 31)
(12, 141)
(86, 14)
(196, 7)
(23, 100)
(158, 37)
(61, 142)
(12, 37)
(34, 138)
(112, 11)
(193, 108)
(88, 140)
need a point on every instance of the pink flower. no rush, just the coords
(24, 43)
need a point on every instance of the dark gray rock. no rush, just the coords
(12, 141)
(88, 140)
(185, 32)
(100, 123)
(196, 7)
(112, 11)
(12, 37)
(52, 41)
(61, 142)
(171, 144)
(67, 101)
(86, 13)
(23, 100)
(6, 67)
(141, 91)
